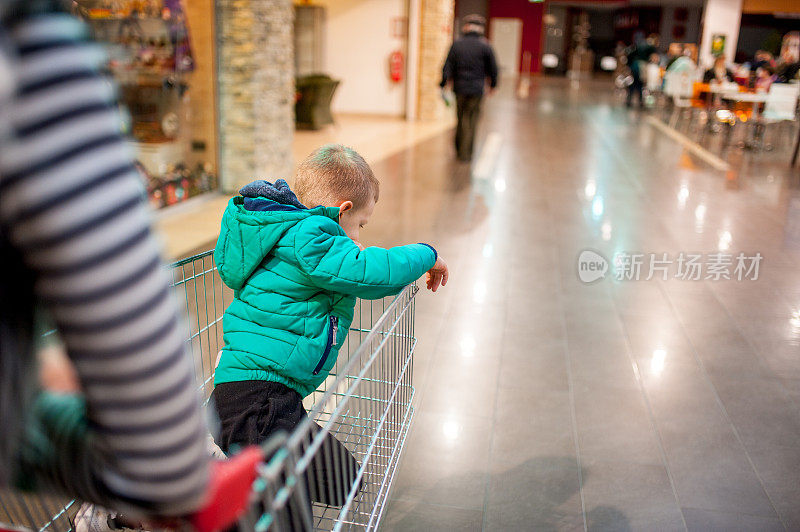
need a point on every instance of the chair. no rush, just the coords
(701, 93)
(781, 102)
(678, 87)
(700, 101)
(780, 107)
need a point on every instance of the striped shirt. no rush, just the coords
(73, 207)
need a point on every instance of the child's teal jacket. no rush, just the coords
(295, 276)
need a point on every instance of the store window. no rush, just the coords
(166, 85)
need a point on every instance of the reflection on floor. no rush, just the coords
(547, 403)
(194, 226)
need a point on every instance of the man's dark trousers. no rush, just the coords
(635, 89)
(468, 107)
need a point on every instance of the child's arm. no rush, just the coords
(334, 262)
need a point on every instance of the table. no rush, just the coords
(755, 98)
(724, 88)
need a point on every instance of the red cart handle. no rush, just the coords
(229, 491)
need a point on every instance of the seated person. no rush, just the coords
(719, 73)
(762, 58)
(673, 53)
(787, 68)
(765, 75)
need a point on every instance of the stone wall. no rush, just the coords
(436, 30)
(256, 90)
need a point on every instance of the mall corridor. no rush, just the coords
(548, 403)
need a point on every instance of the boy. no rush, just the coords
(296, 273)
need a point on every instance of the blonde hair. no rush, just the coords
(335, 173)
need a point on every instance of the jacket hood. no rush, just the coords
(253, 223)
(279, 193)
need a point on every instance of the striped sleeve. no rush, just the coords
(73, 204)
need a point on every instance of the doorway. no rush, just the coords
(506, 39)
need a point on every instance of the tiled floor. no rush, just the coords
(550, 404)
(774, 142)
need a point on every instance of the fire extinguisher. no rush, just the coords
(396, 66)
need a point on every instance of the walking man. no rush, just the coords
(638, 55)
(470, 62)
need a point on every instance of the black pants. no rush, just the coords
(250, 411)
(635, 88)
(468, 109)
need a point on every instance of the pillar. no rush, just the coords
(436, 31)
(202, 120)
(256, 90)
(720, 17)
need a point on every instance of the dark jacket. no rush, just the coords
(638, 55)
(469, 62)
(787, 72)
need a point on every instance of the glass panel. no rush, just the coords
(165, 76)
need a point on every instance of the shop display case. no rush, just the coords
(150, 58)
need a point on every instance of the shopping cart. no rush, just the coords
(366, 404)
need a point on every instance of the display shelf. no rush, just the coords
(149, 58)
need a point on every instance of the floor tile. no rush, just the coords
(614, 425)
(757, 407)
(541, 493)
(628, 496)
(530, 423)
(711, 471)
(471, 384)
(446, 461)
(602, 359)
(408, 516)
(778, 466)
(708, 521)
(538, 366)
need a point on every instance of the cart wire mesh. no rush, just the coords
(366, 404)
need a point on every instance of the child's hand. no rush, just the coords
(437, 275)
(56, 372)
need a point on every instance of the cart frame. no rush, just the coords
(366, 403)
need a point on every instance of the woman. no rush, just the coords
(719, 73)
(78, 256)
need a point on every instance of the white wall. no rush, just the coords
(358, 44)
(720, 16)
